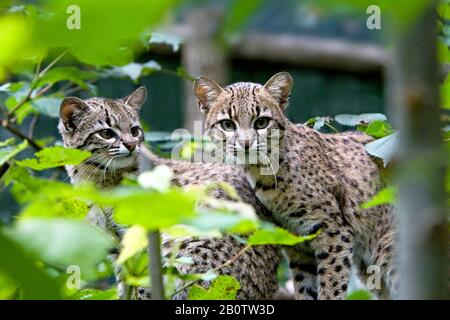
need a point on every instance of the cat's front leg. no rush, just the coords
(304, 271)
(333, 251)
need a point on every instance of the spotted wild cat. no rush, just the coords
(111, 131)
(310, 181)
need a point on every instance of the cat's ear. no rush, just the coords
(70, 109)
(136, 99)
(206, 91)
(279, 87)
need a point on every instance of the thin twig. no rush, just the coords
(226, 264)
(32, 126)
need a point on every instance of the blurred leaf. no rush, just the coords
(8, 150)
(384, 148)
(171, 40)
(133, 70)
(72, 74)
(133, 241)
(20, 267)
(153, 210)
(158, 179)
(12, 87)
(54, 157)
(56, 207)
(238, 14)
(48, 105)
(91, 54)
(277, 235)
(91, 294)
(222, 288)
(384, 196)
(14, 41)
(106, 26)
(64, 242)
(7, 287)
(354, 120)
(359, 295)
(445, 94)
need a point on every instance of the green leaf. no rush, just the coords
(445, 93)
(92, 294)
(167, 39)
(384, 148)
(359, 295)
(222, 288)
(133, 241)
(133, 70)
(7, 287)
(377, 129)
(48, 105)
(153, 210)
(238, 14)
(158, 179)
(64, 207)
(276, 235)
(72, 74)
(54, 157)
(64, 242)
(20, 267)
(384, 196)
(354, 120)
(101, 39)
(9, 151)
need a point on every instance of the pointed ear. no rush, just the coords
(136, 99)
(206, 91)
(69, 109)
(279, 87)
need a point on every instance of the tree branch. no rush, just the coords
(7, 125)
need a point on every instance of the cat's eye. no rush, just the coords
(261, 123)
(135, 131)
(107, 133)
(227, 125)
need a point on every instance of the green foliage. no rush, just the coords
(277, 235)
(9, 150)
(353, 120)
(222, 288)
(384, 148)
(72, 74)
(63, 242)
(359, 295)
(385, 196)
(54, 157)
(19, 267)
(377, 129)
(91, 294)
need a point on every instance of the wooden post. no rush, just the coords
(419, 172)
(202, 55)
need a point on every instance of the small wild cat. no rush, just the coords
(111, 131)
(310, 181)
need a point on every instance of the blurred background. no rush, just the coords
(337, 63)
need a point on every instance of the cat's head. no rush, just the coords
(245, 118)
(108, 128)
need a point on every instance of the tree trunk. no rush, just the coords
(201, 56)
(420, 167)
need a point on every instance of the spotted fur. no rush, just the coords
(310, 181)
(81, 122)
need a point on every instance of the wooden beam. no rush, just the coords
(310, 51)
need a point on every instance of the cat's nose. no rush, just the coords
(130, 145)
